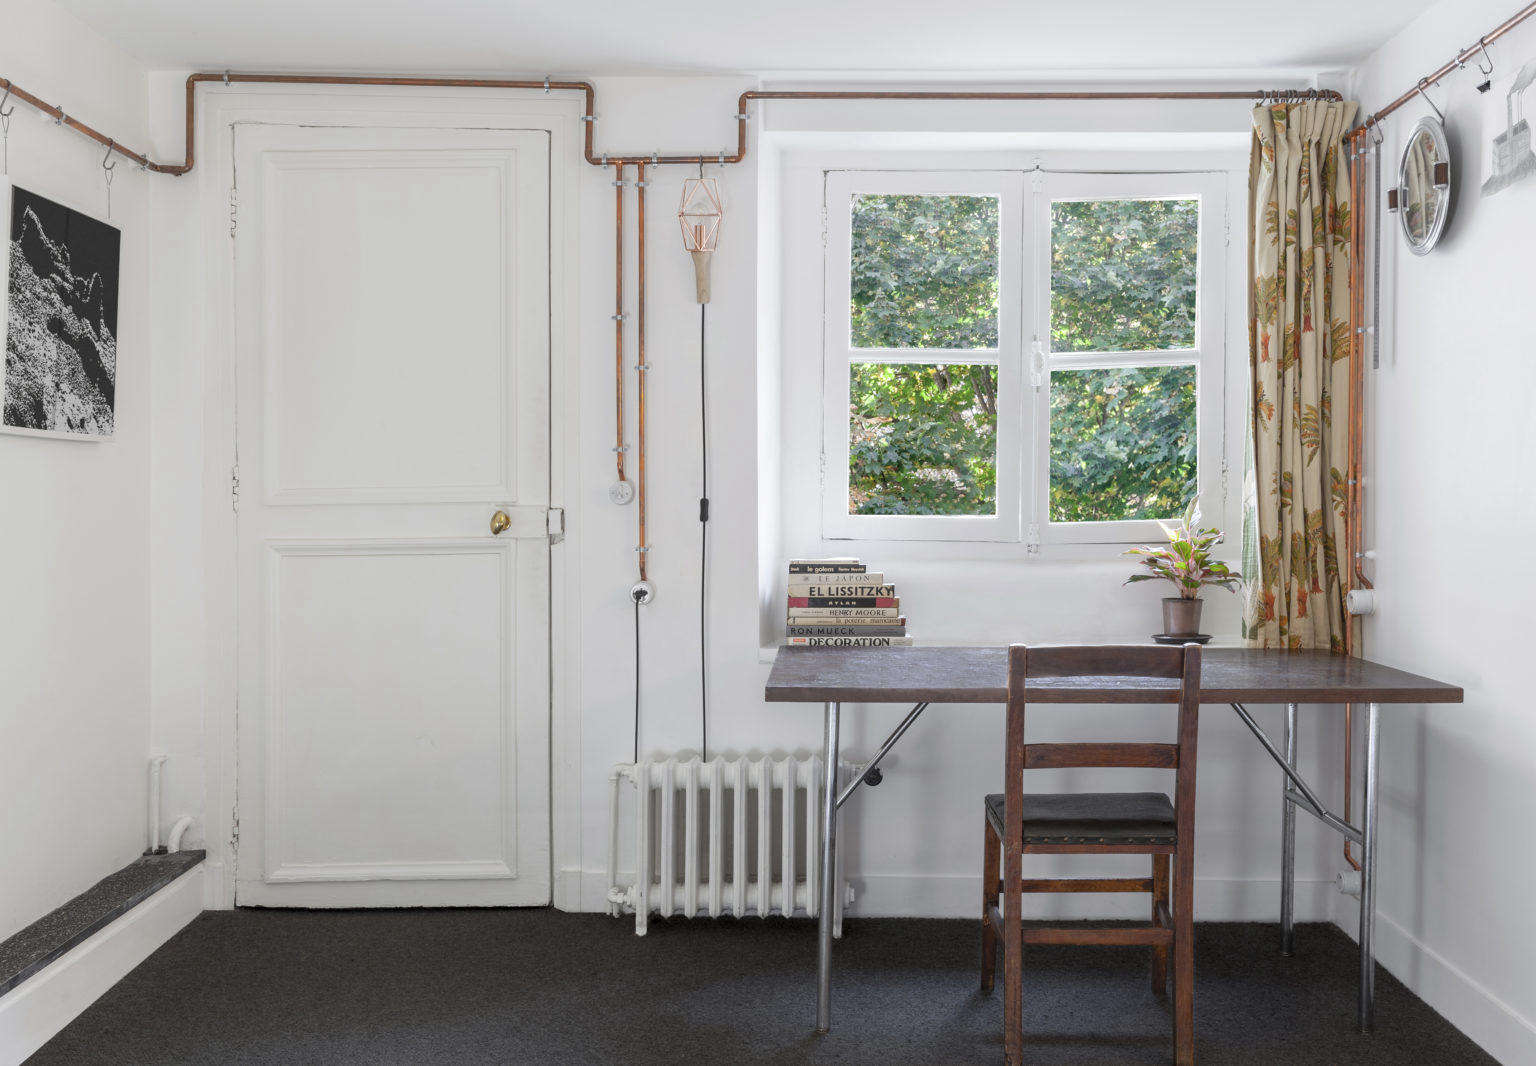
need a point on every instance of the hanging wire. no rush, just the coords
(107, 170)
(5, 130)
(703, 546)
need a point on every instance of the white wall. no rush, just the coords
(1451, 516)
(74, 517)
(913, 846)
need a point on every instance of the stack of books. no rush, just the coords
(840, 603)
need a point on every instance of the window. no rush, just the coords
(1020, 356)
(923, 352)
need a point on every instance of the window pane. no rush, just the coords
(924, 271)
(1123, 274)
(922, 439)
(1122, 443)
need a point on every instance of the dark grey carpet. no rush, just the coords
(537, 986)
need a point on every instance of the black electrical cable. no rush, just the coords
(637, 598)
(703, 544)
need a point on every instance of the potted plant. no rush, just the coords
(1186, 561)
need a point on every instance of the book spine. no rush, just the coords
(850, 642)
(829, 566)
(844, 601)
(823, 591)
(872, 578)
(848, 630)
(804, 615)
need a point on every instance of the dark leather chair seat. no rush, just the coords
(1092, 818)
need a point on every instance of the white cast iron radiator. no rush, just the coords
(728, 836)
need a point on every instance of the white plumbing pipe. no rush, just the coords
(155, 763)
(182, 825)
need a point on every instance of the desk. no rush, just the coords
(1237, 677)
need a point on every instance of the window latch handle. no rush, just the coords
(1037, 363)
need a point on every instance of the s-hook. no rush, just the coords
(1424, 84)
(5, 129)
(107, 168)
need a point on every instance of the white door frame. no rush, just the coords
(221, 108)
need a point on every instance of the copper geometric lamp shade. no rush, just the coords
(698, 215)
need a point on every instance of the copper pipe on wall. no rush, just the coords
(16, 92)
(643, 368)
(589, 115)
(618, 317)
(1354, 500)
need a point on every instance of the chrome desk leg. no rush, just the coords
(828, 874)
(1368, 867)
(1288, 841)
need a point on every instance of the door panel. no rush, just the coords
(392, 303)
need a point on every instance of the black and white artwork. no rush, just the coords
(59, 319)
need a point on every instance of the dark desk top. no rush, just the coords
(980, 675)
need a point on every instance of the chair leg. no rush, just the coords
(991, 870)
(1159, 895)
(1184, 962)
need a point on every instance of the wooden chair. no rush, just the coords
(1105, 823)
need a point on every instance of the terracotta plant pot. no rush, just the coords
(1181, 617)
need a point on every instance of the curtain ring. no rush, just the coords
(1424, 84)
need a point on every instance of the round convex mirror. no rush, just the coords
(1424, 186)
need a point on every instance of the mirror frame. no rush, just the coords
(1436, 130)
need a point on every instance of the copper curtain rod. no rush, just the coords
(589, 116)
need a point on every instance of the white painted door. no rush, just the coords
(392, 344)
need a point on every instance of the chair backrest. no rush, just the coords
(1130, 662)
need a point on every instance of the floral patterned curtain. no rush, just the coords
(1299, 341)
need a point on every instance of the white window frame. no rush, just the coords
(1023, 356)
(1207, 356)
(839, 355)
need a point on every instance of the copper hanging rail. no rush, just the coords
(1450, 67)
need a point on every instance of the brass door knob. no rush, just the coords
(500, 523)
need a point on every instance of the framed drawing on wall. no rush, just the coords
(58, 317)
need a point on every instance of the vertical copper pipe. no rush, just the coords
(643, 369)
(618, 315)
(1354, 489)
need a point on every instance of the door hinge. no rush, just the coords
(1037, 363)
(234, 488)
(1037, 177)
(554, 524)
(1032, 539)
(234, 207)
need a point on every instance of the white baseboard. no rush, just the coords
(939, 896)
(215, 895)
(39, 1007)
(1494, 1025)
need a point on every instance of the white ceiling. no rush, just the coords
(890, 37)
